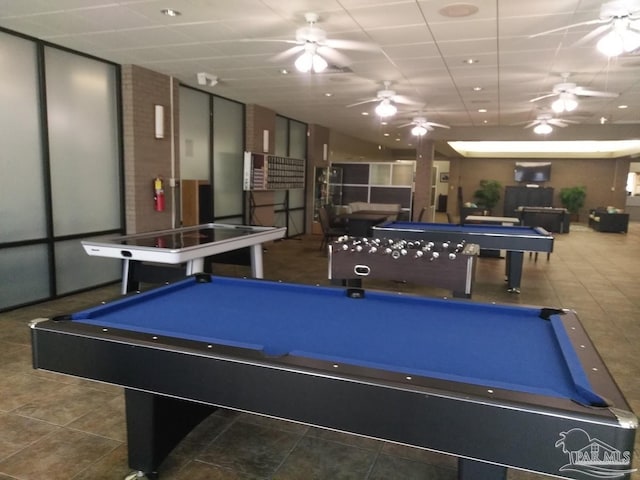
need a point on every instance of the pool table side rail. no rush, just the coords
(516, 240)
(437, 415)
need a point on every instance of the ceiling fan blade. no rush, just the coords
(287, 53)
(556, 122)
(351, 45)
(591, 35)
(276, 40)
(362, 102)
(588, 22)
(406, 124)
(593, 93)
(543, 96)
(438, 125)
(404, 100)
(531, 124)
(336, 57)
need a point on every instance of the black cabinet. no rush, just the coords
(554, 220)
(515, 197)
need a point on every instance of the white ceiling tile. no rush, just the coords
(418, 49)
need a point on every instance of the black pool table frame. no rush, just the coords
(514, 243)
(172, 384)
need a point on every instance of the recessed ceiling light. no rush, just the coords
(482, 110)
(170, 12)
(284, 71)
(470, 61)
(485, 121)
(458, 10)
(365, 113)
(477, 89)
(386, 134)
(384, 123)
(328, 94)
(622, 107)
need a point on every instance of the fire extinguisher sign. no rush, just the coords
(158, 194)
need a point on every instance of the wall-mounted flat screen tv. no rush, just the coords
(532, 172)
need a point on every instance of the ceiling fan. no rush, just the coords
(387, 99)
(421, 126)
(621, 18)
(315, 48)
(543, 123)
(567, 93)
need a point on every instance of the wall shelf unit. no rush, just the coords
(271, 172)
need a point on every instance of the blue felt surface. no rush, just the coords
(493, 345)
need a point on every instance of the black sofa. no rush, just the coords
(602, 221)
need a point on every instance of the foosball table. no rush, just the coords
(447, 265)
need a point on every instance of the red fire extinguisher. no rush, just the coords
(158, 194)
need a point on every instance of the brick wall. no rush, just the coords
(259, 119)
(146, 157)
(422, 191)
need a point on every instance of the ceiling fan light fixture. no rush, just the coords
(319, 63)
(611, 44)
(385, 108)
(619, 40)
(304, 62)
(418, 131)
(566, 102)
(543, 128)
(310, 60)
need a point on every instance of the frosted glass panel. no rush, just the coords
(233, 221)
(76, 270)
(24, 275)
(297, 139)
(380, 174)
(21, 203)
(296, 198)
(281, 147)
(280, 199)
(83, 135)
(402, 174)
(194, 135)
(296, 223)
(280, 219)
(228, 156)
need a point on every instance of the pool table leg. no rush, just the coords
(514, 270)
(126, 273)
(473, 470)
(195, 266)
(256, 261)
(155, 425)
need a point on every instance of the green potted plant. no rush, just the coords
(488, 195)
(572, 198)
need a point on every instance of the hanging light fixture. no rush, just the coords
(385, 108)
(310, 59)
(543, 128)
(566, 102)
(419, 130)
(622, 38)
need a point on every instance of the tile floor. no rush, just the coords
(56, 427)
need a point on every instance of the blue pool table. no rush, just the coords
(499, 386)
(514, 239)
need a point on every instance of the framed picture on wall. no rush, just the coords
(444, 177)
